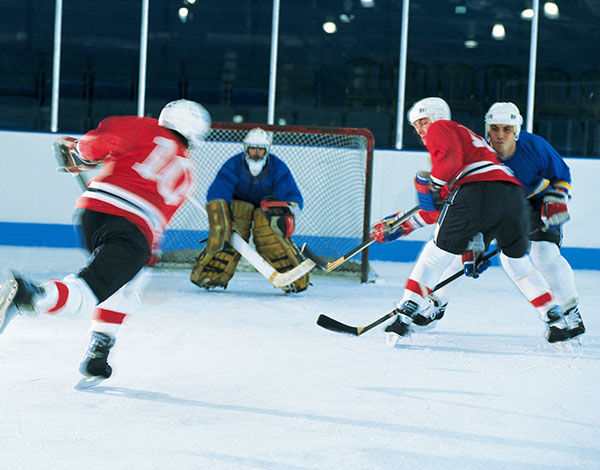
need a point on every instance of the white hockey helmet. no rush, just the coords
(433, 108)
(188, 118)
(503, 113)
(257, 138)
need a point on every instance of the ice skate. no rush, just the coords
(402, 325)
(426, 318)
(557, 326)
(17, 296)
(95, 367)
(574, 323)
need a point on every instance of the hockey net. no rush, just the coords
(333, 170)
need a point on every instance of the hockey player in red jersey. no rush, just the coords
(145, 177)
(479, 199)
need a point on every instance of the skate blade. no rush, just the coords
(391, 339)
(8, 290)
(88, 382)
(569, 345)
(394, 339)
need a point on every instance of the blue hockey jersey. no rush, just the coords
(234, 181)
(538, 166)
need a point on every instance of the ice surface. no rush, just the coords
(245, 379)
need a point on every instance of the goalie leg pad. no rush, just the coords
(215, 270)
(219, 225)
(281, 253)
(241, 212)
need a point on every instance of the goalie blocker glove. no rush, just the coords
(554, 207)
(387, 229)
(68, 157)
(280, 216)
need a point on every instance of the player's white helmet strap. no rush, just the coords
(433, 108)
(503, 113)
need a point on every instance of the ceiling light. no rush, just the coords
(498, 32)
(527, 14)
(460, 9)
(183, 14)
(238, 118)
(551, 10)
(367, 3)
(329, 27)
(471, 44)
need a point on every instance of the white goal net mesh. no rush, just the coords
(331, 166)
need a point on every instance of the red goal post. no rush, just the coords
(333, 169)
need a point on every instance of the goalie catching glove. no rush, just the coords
(388, 229)
(554, 207)
(68, 157)
(280, 216)
(473, 265)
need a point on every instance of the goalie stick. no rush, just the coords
(338, 262)
(273, 276)
(333, 325)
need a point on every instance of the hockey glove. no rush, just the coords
(429, 200)
(388, 229)
(473, 265)
(68, 157)
(554, 208)
(280, 216)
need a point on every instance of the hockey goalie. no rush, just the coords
(254, 193)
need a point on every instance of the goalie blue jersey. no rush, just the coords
(538, 166)
(234, 181)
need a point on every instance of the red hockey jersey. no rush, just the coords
(460, 156)
(146, 173)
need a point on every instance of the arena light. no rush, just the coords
(498, 32)
(551, 10)
(367, 3)
(471, 44)
(329, 27)
(527, 14)
(183, 14)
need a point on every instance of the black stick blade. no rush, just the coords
(333, 325)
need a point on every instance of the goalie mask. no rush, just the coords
(188, 118)
(503, 113)
(256, 138)
(433, 108)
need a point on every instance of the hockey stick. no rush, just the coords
(338, 262)
(273, 276)
(81, 180)
(334, 325)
